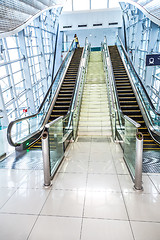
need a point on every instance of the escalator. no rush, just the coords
(64, 99)
(25, 133)
(127, 99)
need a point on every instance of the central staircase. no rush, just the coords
(94, 115)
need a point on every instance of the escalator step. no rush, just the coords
(128, 102)
(127, 98)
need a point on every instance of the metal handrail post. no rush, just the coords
(46, 160)
(138, 162)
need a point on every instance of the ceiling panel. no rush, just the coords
(14, 13)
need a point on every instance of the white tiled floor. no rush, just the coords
(91, 198)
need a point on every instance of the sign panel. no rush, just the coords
(152, 59)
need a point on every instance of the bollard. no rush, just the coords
(138, 162)
(46, 162)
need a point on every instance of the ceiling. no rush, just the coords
(14, 13)
(151, 8)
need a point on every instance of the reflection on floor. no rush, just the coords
(27, 160)
(91, 198)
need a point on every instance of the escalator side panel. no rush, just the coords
(127, 99)
(65, 95)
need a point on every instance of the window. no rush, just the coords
(81, 5)
(113, 3)
(100, 4)
(68, 6)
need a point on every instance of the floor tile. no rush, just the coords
(94, 229)
(127, 184)
(101, 167)
(100, 147)
(101, 156)
(103, 182)
(146, 230)
(16, 227)
(64, 203)
(120, 166)
(143, 207)
(5, 194)
(27, 201)
(73, 156)
(73, 166)
(58, 228)
(81, 147)
(34, 180)
(107, 205)
(156, 181)
(70, 181)
(12, 177)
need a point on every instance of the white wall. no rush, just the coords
(89, 18)
(94, 34)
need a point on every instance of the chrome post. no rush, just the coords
(138, 162)
(46, 162)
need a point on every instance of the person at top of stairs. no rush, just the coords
(76, 40)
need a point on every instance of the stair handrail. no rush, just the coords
(83, 63)
(140, 81)
(81, 70)
(116, 108)
(41, 106)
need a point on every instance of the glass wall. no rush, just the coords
(143, 37)
(76, 5)
(26, 62)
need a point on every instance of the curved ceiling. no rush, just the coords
(151, 8)
(14, 13)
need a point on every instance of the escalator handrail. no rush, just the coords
(41, 106)
(137, 125)
(75, 98)
(114, 84)
(148, 98)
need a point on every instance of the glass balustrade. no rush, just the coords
(23, 128)
(2, 147)
(60, 130)
(152, 115)
(55, 145)
(124, 129)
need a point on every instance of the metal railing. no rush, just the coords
(58, 133)
(123, 127)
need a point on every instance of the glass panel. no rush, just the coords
(15, 67)
(114, 3)
(67, 6)
(129, 145)
(153, 117)
(55, 145)
(11, 41)
(13, 54)
(24, 128)
(2, 147)
(80, 5)
(7, 96)
(100, 4)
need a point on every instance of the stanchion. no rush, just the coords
(46, 163)
(138, 162)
